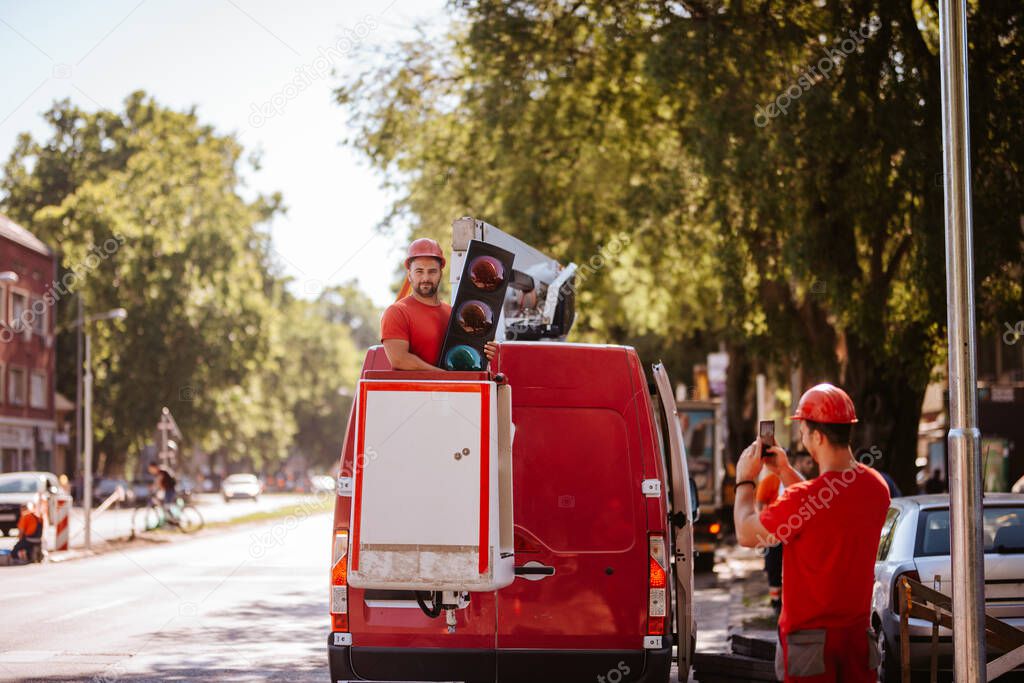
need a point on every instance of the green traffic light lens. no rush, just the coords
(463, 357)
(475, 317)
(486, 273)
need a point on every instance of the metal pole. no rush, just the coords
(78, 391)
(964, 436)
(87, 482)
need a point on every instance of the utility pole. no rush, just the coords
(964, 438)
(87, 479)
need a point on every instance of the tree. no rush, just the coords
(810, 237)
(145, 206)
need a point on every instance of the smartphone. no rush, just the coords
(766, 432)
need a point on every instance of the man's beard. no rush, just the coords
(427, 289)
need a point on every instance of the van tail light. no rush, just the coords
(657, 586)
(339, 582)
(897, 588)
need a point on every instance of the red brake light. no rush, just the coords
(339, 582)
(897, 588)
(657, 587)
(339, 573)
(658, 577)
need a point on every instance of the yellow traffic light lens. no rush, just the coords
(486, 273)
(475, 317)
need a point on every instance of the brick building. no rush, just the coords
(27, 351)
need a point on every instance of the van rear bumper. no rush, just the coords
(353, 663)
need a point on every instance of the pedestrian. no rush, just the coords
(830, 527)
(768, 489)
(30, 534)
(936, 483)
(412, 329)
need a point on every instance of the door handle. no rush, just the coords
(534, 571)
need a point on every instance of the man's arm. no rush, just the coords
(749, 530)
(401, 358)
(779, 465)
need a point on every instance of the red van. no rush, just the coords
(603, 511)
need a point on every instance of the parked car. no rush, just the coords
(104, 487)
(17, 488)
(915, 542)
(600, 498)
(241, 486)
(322, 483)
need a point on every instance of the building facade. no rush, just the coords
(28, 356)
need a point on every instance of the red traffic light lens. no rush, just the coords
(487, 273)
(475, 317)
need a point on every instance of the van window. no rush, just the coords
(575, 488)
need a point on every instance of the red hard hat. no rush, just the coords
(424, 246)
(826, 403)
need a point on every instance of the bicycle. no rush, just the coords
(154, 515)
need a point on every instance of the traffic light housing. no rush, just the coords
(486, 274)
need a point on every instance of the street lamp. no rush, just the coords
(9, 276)
(115, 314)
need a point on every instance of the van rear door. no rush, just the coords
(681, 514)
(578, 532)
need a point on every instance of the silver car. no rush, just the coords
(915, 542)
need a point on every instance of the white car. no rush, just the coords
(241, 486)
(17, 488)
(915, 542)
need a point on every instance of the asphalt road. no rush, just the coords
(227, 605)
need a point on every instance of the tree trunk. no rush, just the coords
(888, 404)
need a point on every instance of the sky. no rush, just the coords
(236, 61)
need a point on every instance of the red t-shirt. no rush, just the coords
(830, 526)
(422, 325)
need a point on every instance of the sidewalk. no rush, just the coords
(733, 599)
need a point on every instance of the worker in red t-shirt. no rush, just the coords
(412, 329)
(830, 527)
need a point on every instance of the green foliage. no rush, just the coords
(148, 211)
(810, 238)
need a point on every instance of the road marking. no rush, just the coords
(86, 610)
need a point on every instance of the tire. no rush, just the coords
(889, 671)
(189, 520)
(146, 519)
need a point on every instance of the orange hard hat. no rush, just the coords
(826, 403)
(424, 246)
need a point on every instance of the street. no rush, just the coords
(226, 605)
(116, 523)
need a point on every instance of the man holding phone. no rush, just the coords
(830, 526)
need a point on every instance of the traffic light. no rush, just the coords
(486, 273)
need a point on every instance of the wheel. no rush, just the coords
(889, 671)
(189, 519)
(146, 519)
